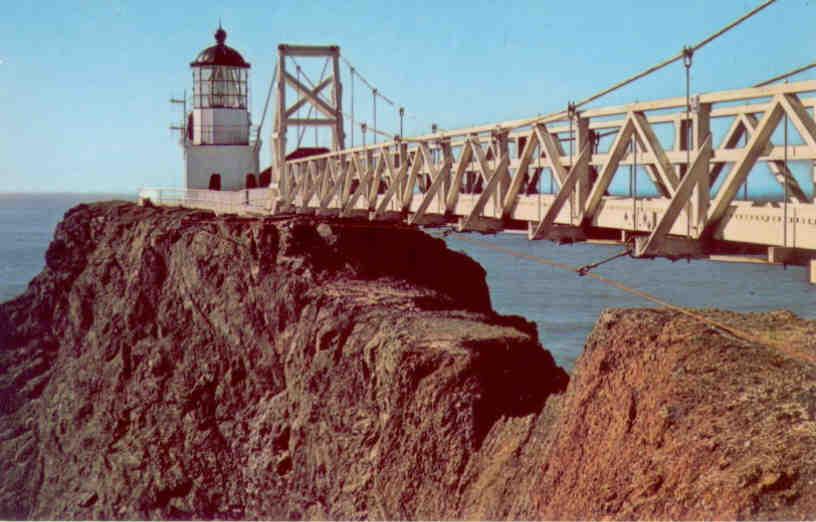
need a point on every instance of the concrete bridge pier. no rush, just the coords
(812, 271)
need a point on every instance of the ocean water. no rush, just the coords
(27, 223)
(564, 306)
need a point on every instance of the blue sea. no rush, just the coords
(563, 305)
(27, 223)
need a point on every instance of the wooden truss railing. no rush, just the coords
(486, 178)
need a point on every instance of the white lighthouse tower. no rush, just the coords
(218, 151)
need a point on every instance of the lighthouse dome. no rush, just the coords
(220, 54)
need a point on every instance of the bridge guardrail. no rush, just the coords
(484, 177)
(257, 200)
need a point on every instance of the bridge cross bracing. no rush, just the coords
(488, 178)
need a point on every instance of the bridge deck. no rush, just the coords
(614, 215)
(490, 178)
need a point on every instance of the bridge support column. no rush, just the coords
(701, 197)
(813, 194)
(583, 185)
(700, 128)
(625, 235)
(782, 255)
(501, 148)
(812, 271)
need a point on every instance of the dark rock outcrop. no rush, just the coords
(175, 364)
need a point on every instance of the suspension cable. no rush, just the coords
(539, 172)
(745, 185)
(353, 121)
(266, 105)
(373, 128)
(677, 57)
(367, 83)
(688, 56)
(719, 325)
(787, 182)
(374, 101)
(351, 74)
(633, 181)
(786, 75)
(585, 269)
(733, 331)
(614, 87)
(386, 99)
(297, 68)
(571, 113)
(657, 67)
(623, 83)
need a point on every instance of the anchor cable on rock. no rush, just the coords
(713, 323)
(584, 270)
(627, 251)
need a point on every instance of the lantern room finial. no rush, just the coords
(220, 34)
(220, 53)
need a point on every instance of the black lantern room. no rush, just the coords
(220, 76)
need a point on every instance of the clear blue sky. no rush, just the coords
(84, 86)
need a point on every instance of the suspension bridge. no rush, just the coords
(550, 176)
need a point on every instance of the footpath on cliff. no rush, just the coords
(175, 364)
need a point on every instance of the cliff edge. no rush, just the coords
(171, 363)
(175, 364)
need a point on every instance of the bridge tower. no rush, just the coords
(217, 144)
(325, 97)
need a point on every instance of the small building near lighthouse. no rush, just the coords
(218, 150)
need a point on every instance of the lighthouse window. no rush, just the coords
(220, 87)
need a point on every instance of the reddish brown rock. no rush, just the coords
(175, 364)
(667, 419)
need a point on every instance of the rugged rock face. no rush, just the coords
(667, 419)
(175, 364)
(171, 363)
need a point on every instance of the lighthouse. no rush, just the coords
(218, 151)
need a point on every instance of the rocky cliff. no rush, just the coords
(170, 363)
(667, 419)
(177, 364)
